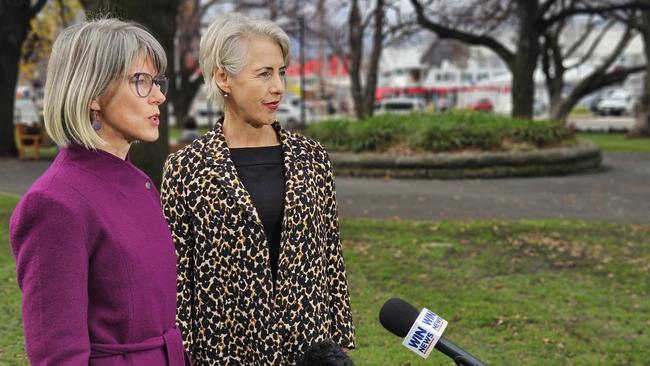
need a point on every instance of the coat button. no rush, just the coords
(148, 185)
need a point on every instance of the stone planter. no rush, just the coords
(584, 157)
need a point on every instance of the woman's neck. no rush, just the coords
(239, 133)
(119, 150)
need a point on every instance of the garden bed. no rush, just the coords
(459, 144)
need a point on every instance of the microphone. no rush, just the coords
(325, 353)
(422, 331)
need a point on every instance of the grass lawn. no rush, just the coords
(518, 293)
(514, 293)
(617, 142)
(176, 133)
(11, 333)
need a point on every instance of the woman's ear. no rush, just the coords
(222, 79)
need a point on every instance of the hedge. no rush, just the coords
(448, 132)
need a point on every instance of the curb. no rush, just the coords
(585, 157)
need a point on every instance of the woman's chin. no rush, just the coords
(150, 137)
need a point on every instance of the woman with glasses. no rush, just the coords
(94, 256)
(253, 214)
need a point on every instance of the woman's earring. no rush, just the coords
(225, 95)
(96, 123)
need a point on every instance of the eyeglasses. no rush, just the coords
(144, 83)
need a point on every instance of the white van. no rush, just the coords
(399, 105)
(205, 112)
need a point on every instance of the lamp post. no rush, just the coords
(301, 30)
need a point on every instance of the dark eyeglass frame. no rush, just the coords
(148, 80)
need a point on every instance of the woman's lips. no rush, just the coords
(155, 120)
(272, 105)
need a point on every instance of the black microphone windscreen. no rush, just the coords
(325, 353)
(397, 316)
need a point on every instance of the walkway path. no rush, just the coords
(620, 193)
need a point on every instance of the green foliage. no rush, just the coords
(617, 142)
(425, 132)
(43, 30)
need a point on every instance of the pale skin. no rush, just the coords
(253, 95)
(126, 117)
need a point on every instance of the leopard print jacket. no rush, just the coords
(228, 309)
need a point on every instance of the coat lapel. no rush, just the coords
(224, 171)
(294, 170)
(295, 165)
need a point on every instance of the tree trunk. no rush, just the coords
(553, 67)
(188, 35)
(371, 78)
(642, 126)
(525, 62)
(356, 53)
(555, 85)
(14, 25)
(183, 101)
(562, 109)
(642, 115)
(159, 17)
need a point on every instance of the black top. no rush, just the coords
(261, 171)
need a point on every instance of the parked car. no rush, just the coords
(593, 102)
(618, 103)
(483, 105)
(399, 105)
(288, 114)
(26, 112)
(205, 113)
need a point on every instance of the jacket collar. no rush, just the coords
(222, 168)
(120, 174)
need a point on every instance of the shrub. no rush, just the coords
(426, 132)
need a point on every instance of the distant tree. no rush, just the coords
(44, 28)
(343, 27)
(641, 22)
(272, 9)
(188, 76)
(478, 21)
(555, 56)
(15, 17)
(384, 32)
(364, 95)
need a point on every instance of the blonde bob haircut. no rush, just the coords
(223, 47)
(86, 58)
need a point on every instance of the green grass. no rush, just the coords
(517, 293)
(514, 293)
(176, 133)
(11, 333)
(617, 142)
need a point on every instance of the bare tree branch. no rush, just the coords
(581, 40)
(36, 8)
(205, 7)
(595, 43)
(587, 8)
(446, 32)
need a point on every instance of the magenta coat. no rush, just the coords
(96, 264)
